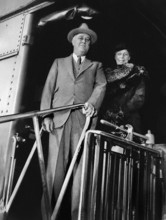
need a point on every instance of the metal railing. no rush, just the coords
(10, 195)
(121, 180)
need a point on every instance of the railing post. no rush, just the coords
(42, 167)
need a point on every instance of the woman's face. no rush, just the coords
(122, 57)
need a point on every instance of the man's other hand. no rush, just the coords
(48, 124)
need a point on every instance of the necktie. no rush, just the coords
(78, 63)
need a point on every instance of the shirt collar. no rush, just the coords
(76, 58)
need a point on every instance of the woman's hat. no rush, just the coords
(122, 46)
(82, 29)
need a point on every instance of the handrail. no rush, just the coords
(122, 140)
(122, 129)
(13, 117)
(34, 115)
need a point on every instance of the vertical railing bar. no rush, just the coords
(118, 207)
(93, 199)
(12, 161)
(128, 188)
(19, 181)
(42, 167)
(83, 173)
(113, 211)
(124, 190)
(154, 190)
(9, 189)
(148, 186)
(138, 186)
(151, 185)
(103, 181)
(131, 183)
(145, 184)
(107, 183)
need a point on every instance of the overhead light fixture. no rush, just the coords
(84, 12)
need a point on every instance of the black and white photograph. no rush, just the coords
(82, 110)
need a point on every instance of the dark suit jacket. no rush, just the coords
(62, 88)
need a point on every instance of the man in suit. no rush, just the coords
(71, 83)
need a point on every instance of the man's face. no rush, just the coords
(122, 57)
(81, 44)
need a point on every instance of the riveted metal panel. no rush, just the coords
(7, 84)
(13, 74)
(11, 6)
(11, 38)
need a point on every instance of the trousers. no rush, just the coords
(62, 144)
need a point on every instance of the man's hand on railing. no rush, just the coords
(88, 110)
(48, 124)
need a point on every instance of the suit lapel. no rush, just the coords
(69, 66)
(85, 65)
